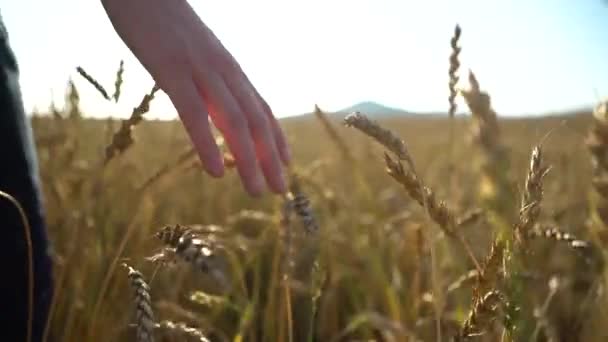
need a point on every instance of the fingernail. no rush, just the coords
(281, 184)
(257, 185)
(213, 166)
(217, 170)
(286, 155)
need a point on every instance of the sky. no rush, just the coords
(532, 56)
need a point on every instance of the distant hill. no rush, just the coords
(373, 108)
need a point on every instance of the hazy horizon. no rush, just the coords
(532, 57)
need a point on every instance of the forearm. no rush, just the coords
(137, 23)
(116, 7)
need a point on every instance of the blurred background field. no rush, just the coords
(374, 275)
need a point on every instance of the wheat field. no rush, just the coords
(452, 227)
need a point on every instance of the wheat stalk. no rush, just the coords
(166, 169)
(333, 134)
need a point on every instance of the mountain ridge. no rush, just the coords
(373, 108)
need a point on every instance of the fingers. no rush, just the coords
(261, 131)
(228, 117)
(189, 104)
(279, 137)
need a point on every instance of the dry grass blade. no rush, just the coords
(166, 257)
(182, 331)
(541, 314)
(333, 134)
(468, 278)
(249, 215)
(181, 162)
(166, 169)
(93, 82)
(469, 218)
(381, 325)
(144, 316)
(287, 210)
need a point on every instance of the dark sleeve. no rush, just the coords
(19, 178)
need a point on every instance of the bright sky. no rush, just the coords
(531, 55)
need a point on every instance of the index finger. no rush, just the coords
(189, 104)
(230, 119)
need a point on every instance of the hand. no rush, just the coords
(203, 80)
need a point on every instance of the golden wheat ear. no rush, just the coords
(481, 317)
(585, 249)
(118, 81)
(333, 134)
(301, 206)
(437, 210)
(170, 234)
(532, 197)
(191, 247)
(93, 81)
(144, 315)
(453, 70)
(597, 143)
(123, 138)
(383, 136)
